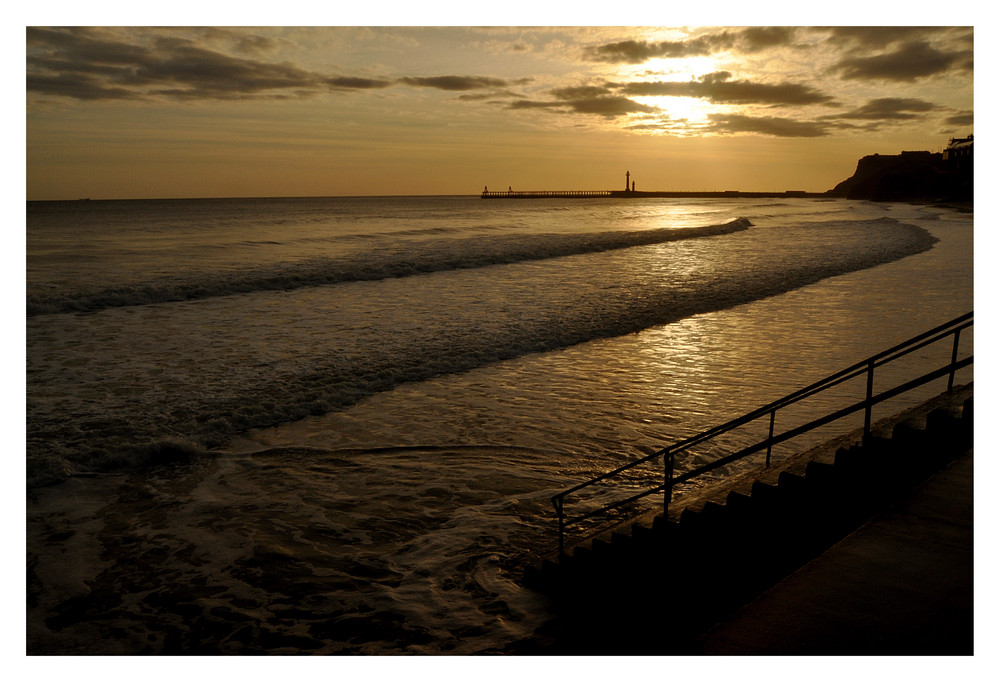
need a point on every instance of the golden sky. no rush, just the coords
(123, 112)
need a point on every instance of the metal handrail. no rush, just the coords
(865, 367)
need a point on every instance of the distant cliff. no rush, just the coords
(910, 176)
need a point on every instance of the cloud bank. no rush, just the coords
(143, 65)
(83, 64)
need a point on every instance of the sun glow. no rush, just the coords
(678, 109)
(690, 109)
(678, 69)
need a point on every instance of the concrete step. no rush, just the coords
(738, 502)
(756, 538)
(821, 475)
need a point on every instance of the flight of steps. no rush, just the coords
(682, 575)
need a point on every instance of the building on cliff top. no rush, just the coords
(958, 153)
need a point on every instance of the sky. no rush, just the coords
(121, 112)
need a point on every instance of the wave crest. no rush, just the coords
(94, 404)
(403, 260)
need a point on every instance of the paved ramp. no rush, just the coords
(902, 584)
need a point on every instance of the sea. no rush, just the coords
(335, 425)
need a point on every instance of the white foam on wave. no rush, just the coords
(384, 261)
(104, 387)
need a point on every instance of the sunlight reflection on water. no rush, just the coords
(590, 407)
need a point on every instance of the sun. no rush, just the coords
(673, 70)
(690, 109)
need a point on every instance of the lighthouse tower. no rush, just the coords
(626, 181)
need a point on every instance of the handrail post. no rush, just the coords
(558, 502)
(954, 358)
(668, 481)
(770, 436)
(868, 399)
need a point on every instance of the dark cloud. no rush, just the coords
(81, 51)
(890, 109)
(534, 104)
(255, 44)
(609, 106)
(87, 64)
(960, 119)
(211, 74)
(581, 91)
(881, 36)
(601, 100)
(747, 40)
(717, 87)
(909, 62)
(766, 125)
(586, 102)
(491, 95)
(764, 37)
(637, 52)
(457, 83)
(733, 124)
(657, 127)
(354, 83)
(239, 40)
(82, 87)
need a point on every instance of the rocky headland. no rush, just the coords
(934, 177)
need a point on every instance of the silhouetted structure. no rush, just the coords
(937, 177)
(553, 194)
(913, 176)
(958, 153)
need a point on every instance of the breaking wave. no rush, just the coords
(402, 259)
(127, 389)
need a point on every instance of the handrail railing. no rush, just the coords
(865, 367)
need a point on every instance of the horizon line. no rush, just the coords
(404, 196)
